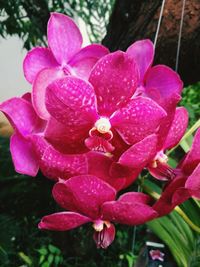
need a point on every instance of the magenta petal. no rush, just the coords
(86, 192)
(135, 197)
(36, 60)
(193, 182)
(99, 165)
(193, 157)
(139, 118)
(21, 115)
(143, 53)
(63, 221)
(56, 133)
(164, 81)
(131, 213)
(43, 79)
(57, 165)
(165, 203)
(86, 58)
(23, 156)
(177, 129)
(104, 238)
(64, 37)
(72, 102)
(139, 155)
(115, 78)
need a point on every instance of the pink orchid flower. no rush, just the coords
(154, 159)
(25, 122)
(157, 255)
(185, 184)
(89, 199)
(96, 112)
(63, 57)
(164, 86)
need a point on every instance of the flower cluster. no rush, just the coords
(92, 122)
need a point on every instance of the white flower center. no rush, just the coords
(103, 125)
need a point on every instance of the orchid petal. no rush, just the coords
(36, 60)
(23, 156)
(115, 79)
(56, 165)
(64, 37)
(123, 173)
(43, 79)
(85, 192)
(193, 182)
(131, 213)
(56, 133)
(163, 84)
(21, 115)
(86, 58)
(99, 165)
(177, 129)
(165, 204)
(72, 102)
(193, 157)
(135, 197)
(140, 154)
(139, 118)
(143, 53)
(63, 221)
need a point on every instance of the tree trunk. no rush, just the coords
(132, 20)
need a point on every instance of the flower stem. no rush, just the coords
(187, 220)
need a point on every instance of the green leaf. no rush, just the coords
(43, 251)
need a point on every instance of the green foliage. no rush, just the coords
(50, 255)
(28, 18)
(191, 100)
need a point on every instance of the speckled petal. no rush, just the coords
(140, 154)
(64, 37)
(56, 133)
(85, 192)
(86, 58)
(115, 78)
(72, 102)
(143, 53)
(193, 157)
(138, 119)
(36, 60)
(177, 129)
(55, 164)
(43, 79)
(128, 212)
(23, 156)
(63, 221)
(21, 115)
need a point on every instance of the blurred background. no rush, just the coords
(24, 200)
